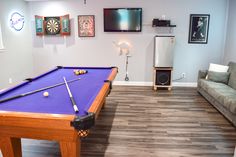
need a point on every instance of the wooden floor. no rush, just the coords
(139, 122)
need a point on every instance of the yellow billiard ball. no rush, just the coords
(77, 73)
(45, 94)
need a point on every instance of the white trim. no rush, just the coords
(1, 41)
(132, 83)
(136, 83)
(184, 84)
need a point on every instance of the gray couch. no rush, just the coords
(221, 93)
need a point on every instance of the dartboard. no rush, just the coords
(52, 26)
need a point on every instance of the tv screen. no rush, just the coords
(122, 19)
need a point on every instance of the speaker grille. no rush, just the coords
(163, 77)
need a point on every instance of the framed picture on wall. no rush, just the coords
(65, 25)
(86, 25)
(39, 25)
(198, 28)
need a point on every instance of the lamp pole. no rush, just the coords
(124, 49)
(126, 67)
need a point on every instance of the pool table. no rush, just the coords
(52, 117)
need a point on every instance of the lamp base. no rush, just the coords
(126, 67)
(126, 78)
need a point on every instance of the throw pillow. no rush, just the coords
(222, 77)
(217, 68)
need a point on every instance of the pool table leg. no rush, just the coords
(10, 147)
(103, 104)
(70, 149)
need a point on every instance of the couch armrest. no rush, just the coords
(202, 74)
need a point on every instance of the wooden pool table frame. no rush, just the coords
(17, 125)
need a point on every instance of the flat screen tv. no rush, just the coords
(122, 19)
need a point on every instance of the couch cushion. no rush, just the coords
(232, 77)
(230, 101)
(210, 87)
(221, 77)
(226, 96)
(232, 66)
(217, 68)
(232, 80)
(207, 84)
(221, 92)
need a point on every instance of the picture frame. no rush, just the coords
(86, 25)
(198, 28)
(65, 25)
(39, 25)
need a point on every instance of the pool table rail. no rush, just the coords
(99, 101)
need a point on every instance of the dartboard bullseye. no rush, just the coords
(52, 25)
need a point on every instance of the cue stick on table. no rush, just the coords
(71, 97)
(37, 90)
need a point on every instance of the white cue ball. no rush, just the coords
(46, 94)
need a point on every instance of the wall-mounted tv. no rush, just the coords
(122, 19)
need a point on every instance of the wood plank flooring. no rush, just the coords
(140, 122)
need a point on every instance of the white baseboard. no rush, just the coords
(184, 84)
(134, 83)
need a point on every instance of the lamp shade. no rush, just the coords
(124, 48)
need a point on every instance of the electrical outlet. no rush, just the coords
(10, 80)
(183, 75)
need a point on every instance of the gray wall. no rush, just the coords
(25, 49)
(16, 61)
(230, 46)
(100, 50)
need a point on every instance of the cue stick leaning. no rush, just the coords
(71, 97)
(35, 91)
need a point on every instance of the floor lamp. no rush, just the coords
(124, 49)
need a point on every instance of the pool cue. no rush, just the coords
(35, 91)
(71, 97)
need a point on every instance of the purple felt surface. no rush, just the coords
(84, 92)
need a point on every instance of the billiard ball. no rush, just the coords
(77, 72)
(83, 71)
(45, 94)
